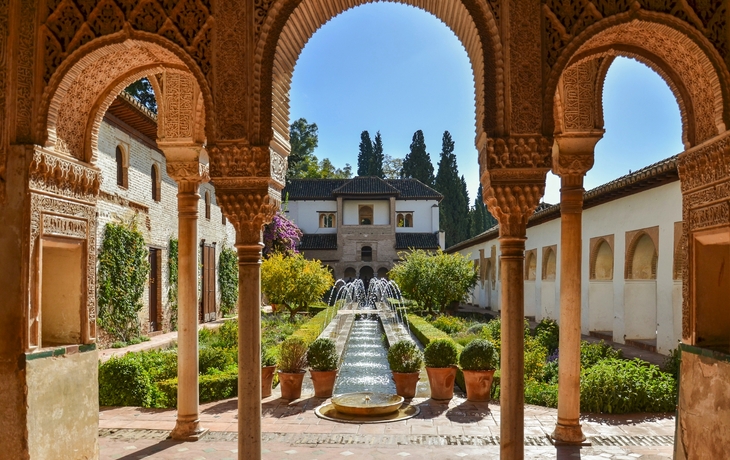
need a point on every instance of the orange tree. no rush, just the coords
(294, 281)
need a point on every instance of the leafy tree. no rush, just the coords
(392, 167)
(294, 281)
(376, 161)
(417, 164)
(326, 170)
(228, 280)
(142, 91)
(281, 236)
(303, 138)
(365, 156)
(454, 209)
(123, 270)
(434, 280)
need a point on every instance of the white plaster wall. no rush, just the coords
(677, 312)
(549, 306)
(640, 312)
(381, 211)
(539, 237)
(600, 305)
(422, 215)
(156, 220)
(306, 214)
(530, 298)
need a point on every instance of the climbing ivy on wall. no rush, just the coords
(172, 282)
(228, 280)
(123, 270)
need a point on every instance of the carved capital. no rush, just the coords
(572, 165)
(517, 152)
(191, 172)
(574, 153)
(241, 160)
(63, 176)
(248, 206)
(512, 196)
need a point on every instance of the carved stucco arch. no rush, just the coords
(84, 86)
(689, 65)
(291, 23)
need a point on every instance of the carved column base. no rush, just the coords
(568, 432)
(188, 430)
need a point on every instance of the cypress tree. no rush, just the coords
(482, 219)
(376, 161)
(417, 164)
(365, 157)
(454, 208)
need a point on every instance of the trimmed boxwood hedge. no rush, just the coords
(212, 387)
(427, 333)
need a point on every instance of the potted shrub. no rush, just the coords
(441, 356)
(268, 367)
(292, 363)
(405, 360)
(323, 359)
(478, 360)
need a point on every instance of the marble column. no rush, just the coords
(188, 177)
(571, 160)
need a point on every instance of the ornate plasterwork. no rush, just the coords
(704, 165)
(573, 165)
(248, 209)
(4, 35)
(525, 51)
(520, 152)
(70, 24)
(188, 171)
(25, 65)
(239, 160)
(55, 216)
(63, 177)
(578, 99)
(178, 104)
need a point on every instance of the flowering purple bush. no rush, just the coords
(281, 236)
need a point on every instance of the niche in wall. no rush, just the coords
(62, 300)
(711, 287)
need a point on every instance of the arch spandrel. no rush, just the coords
(283, 27)
(689, 64)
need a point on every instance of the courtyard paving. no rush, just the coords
(457, 429)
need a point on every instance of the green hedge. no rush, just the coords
(310, 330)
(212, 387)
(426, 333)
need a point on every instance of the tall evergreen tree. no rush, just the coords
(481, 219)
(303, 138)
(454, 208)
(376, 161)
(365, 157)
(417, 164)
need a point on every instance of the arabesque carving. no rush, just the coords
(525, 69)
(248, 210)
(187, 171)
(573, 164)
(704, 165)
(579, 99)
(63, 177)
(70, 24)
(236, 160)
(26, 60)
(178, 105)
(531, 152)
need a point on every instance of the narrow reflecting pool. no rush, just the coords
(365, 365)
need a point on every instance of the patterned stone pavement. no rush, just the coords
(455, 430)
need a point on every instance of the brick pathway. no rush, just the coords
(455, 430)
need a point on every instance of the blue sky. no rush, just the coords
(397, 69)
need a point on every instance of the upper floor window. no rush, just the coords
(405, 219)
(365, 215)
(366, 254)
(122, 167)
(327, 220)
(207, 205)
(155, 174)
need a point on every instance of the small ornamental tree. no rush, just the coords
(434, 280)
(294, 281)
(281, 236)
(228, 280)
(123, 270)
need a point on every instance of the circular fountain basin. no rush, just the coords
(367, 403)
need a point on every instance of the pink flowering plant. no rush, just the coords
(281, 236)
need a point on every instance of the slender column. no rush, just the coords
(249, 351)
(568, 428)
(512, 387)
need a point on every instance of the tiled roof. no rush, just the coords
(327, 189)
(414, 189)
(311, 189)
(416, 241)
(127, 109)
(311, 241)
(366, 185)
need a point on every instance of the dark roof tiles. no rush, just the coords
(327, 189)
(416, 241)
(366, 185)
(311, 241)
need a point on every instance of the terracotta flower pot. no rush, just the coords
(405, 383)
(267, 377)
(291, 384)
(441, 381)
(324, 382)
(478, 385)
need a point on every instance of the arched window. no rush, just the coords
(366, 254)
(602, 263)
(409, 220)
(122, 166)
(383, 272)
(549, 266)
(207, 205)
(155, 174)
(365, 214)
(350, 274)
(531, 266)
(326, 220)
(642, 259)
(401, 220)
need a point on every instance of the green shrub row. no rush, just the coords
(426, 333)
(211, 387)
(310, 330)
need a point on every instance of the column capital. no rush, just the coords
(512, 195)
(241, 159)
(573, 155)
(248, 203)
(188, 174)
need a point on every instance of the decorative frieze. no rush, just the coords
(711, 216)
(519, 152)
(236, 160)
(63, 177)
(61, 226)
(705, 165)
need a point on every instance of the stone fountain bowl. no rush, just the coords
(367, 403)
